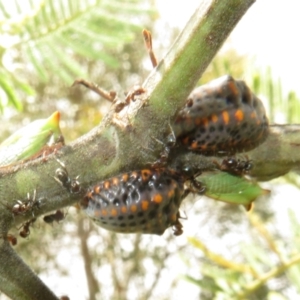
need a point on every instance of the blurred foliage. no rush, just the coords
(261, 260)
(43, 38)
(46, 45)
(283, 107)
(227, 61)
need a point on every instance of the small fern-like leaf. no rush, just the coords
(51, 35)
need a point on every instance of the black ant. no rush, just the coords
(177, 227)
(57, 216)
(236, 166)
(21, 208)
(24, 233)
(62, 177)
(111, 96)
(164, 155)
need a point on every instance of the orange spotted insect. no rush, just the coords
(145, 201)
(222, 117)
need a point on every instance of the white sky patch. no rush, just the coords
(269, 31)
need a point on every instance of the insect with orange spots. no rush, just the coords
(222, 117)
(145, 201)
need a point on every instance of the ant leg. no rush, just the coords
(110, 96)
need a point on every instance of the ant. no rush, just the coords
(62, 177)
(57, 216)
(111, 96)
(164, 155)
(11, 238)
(236, 166)
(20, 208)
(24, 233)
(177, 227)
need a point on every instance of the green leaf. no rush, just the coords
(229, 188)
(30, 140)
(10, 93)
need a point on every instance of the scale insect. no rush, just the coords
(144, 201)
(222, 117)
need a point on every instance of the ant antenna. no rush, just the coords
(148, 42)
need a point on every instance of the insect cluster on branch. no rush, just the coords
(221, 118)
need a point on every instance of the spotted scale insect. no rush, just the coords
(222, 117)
(145, 201)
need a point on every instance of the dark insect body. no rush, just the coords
(24, 233)
(111, 96)
(164, 155)
(236, 166)
(10, 238)
(22, 207)
(62, 177)
(145, 201)
(222, 117)
(58, 216)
